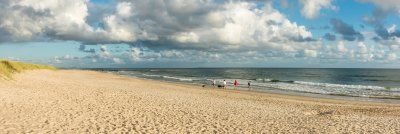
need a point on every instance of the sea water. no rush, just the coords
(366, 83)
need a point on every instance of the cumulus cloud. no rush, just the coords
(347, 31)
(190, 24)
(347, 51)
(363, 52)
(388, 36)
(145, 55)
(164, 30)
(135, 54)
(26, 20)
(310, 53)
(337, 50)
(124, 9)
(391, 57)
(106, 56)
(341, 48)
(387, 33)
(58, 59)
(30, 20)
(216, 26)
(311, 8)
(186, 37)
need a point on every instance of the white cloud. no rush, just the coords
(360, 52)
(392, 29)
(310, 53)
(363, 52)
(106, 56)
(389, 37)
(135, 54)
(178, 29)
(69, 57)
(311, 8)
(341, 47)
(200, 24)
(118, 30)
(362, 48)
(56, 59)
(124, 9)
(391, 57)
(242, 24)
(28, 20)
(186, 37)
(203, 22)
(117, 60)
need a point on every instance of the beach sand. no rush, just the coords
(72, 101)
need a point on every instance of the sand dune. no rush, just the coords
(69, 101)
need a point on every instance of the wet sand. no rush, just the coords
(72, 101)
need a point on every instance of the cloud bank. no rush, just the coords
(190, 23)
(177, 29)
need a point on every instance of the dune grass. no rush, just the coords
(7, 68)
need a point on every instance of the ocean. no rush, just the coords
(362, 83)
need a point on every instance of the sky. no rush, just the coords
(201, 33)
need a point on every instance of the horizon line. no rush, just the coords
(90, 68)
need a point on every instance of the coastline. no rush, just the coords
(88, 101)
(378, 86)
(339, 97)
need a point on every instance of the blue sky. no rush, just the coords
(197, 33)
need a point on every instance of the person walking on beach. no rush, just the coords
(224, 84)
(236, 83)
(213, 83)
(248, 84)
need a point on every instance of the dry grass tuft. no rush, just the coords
(7, 68)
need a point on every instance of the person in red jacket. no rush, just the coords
(236, 83)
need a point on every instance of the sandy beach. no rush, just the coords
(72, 101)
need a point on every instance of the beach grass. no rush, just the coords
(7, 68)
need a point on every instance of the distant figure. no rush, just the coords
(248, 84)
(236, 83)
(224, 84)
(213, 83)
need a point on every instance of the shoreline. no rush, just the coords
(279, 92)
(76, 101)
(301, 96)
(322, 89)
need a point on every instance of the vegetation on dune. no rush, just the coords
(7, 68)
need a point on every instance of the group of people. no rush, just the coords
(224, 84)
